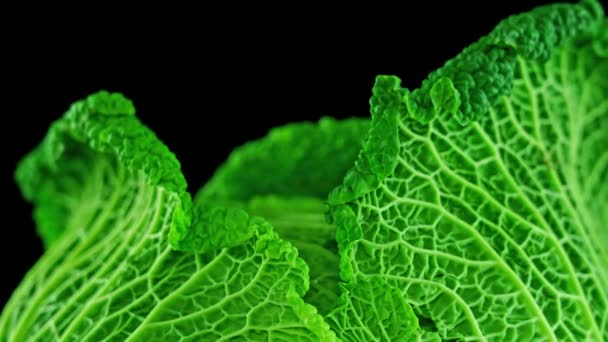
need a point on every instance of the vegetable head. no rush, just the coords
(471, 208)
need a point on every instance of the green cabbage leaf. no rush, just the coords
(473, 208)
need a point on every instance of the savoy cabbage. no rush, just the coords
(472, 208)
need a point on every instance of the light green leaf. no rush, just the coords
(372, 310)
(494, 229)
(292, 198)
(107, 194)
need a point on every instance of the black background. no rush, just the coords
(207, 90)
